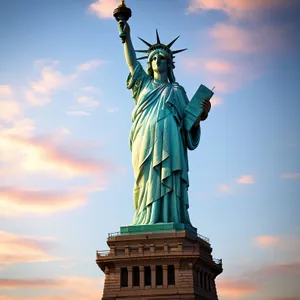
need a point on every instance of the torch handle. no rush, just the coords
(122, 34)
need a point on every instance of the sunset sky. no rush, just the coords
(65, 165)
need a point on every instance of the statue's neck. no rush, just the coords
(160, 77)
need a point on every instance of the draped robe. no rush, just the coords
(159, 143)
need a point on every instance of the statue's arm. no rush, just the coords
(129, 52)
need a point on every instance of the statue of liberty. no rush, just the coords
(160, 136)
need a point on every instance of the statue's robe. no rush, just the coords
(159, 142)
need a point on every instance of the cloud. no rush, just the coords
(20, 127)
(16, 201)
(241, 39)
(78, 113)
(5, 90)
(112, 110)
(215, 101)
(9, 110)
(280, 269)
(291, 176)
(246, 179)
(235, 289)
(234, 7)
(233, 38)
(87, 102)
(50, 81)
(104, 8)
(24, 249)
(90, 65)
(60, 288)
(40, 91)
(38, 155)
(266, 241)
(35, 99)
(218, 66)
(224, 188)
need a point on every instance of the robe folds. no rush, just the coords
(159, 143)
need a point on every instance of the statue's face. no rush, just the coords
(159, 63)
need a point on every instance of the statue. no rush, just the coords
(160, 135)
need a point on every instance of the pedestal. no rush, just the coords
(159, 265)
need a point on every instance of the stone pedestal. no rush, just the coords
(159, 265)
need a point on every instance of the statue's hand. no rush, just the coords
(124, 27)
(206, 106)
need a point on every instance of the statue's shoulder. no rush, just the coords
(178, 87)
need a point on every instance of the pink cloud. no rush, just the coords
(234, 7)
(14, 201)
(237, 39)
(33, 155)
(63, 288)
(24, 249)
(246, 179)
(291, 176)
(5, 90)
(280, 269)
(224, 188)
(235, 289)
(104, 8)
(266, 241)
(215, 101)
(218, 66)
(9, 110)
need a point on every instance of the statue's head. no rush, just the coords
(159, 57)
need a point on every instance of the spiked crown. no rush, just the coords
(157, 46)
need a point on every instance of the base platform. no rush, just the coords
(158, 265)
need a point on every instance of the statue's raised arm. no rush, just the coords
(129, 52)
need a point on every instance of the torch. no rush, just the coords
(122, 13)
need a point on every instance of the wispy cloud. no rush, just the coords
(77, 113)
(62, 288)
(112, 110)
(266, 241)
(16, 201)
(234, 7)
(38, 155)
(235, 289)
(5, 90)
(51, 79)
(291, 175)
(224, 188)
(24, 249)
(9, 110)
(246, 179)
(90, 65)
(104, 8)
(87, 102)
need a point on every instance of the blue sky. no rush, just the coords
(65, 164)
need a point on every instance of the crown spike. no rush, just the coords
(142, 51)
(171, 43)
(148, 44)
(177, 51)
(143, 57)
(157, 37)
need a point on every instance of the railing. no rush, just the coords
(112, 234)
(204, 238)
(102, 252)
(218, 261)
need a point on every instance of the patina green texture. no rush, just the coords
(160, 137)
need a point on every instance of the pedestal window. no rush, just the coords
(124, 277)
(147, 274)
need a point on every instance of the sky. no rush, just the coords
(65, 166)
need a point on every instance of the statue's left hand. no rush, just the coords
(206, 106)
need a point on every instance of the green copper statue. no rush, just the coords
(160, 134)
